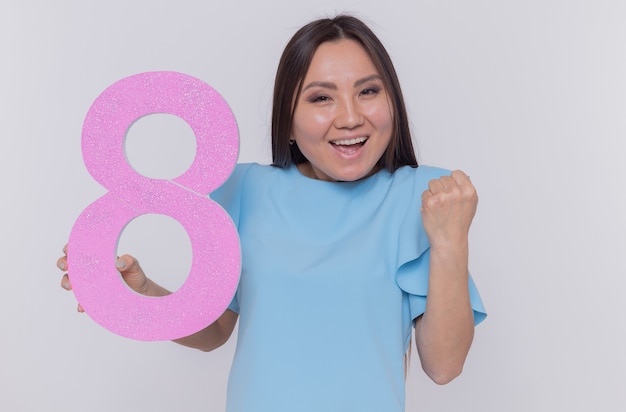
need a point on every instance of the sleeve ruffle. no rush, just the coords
(414, 254)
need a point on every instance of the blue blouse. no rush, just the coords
(333, 276)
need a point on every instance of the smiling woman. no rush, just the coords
(343, 119)
(319, 41)
(348, 248)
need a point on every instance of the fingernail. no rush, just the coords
(120, 264)
(65, 285)
(61, 265)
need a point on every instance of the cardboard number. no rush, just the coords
(216, 261)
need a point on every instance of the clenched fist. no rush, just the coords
(448, 207)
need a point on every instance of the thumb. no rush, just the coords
(128, 265)
(132, 273)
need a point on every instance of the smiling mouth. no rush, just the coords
(349, 147)
(349, 142)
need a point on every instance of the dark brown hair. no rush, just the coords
(292, 68)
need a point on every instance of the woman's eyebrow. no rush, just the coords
(367, 79)
(326, 85)
(333, 86)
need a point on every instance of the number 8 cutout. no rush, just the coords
(216, 262)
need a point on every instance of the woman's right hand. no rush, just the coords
(128, 267)
(207, 339)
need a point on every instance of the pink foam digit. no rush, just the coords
(215, 268)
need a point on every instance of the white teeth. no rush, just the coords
(348, 142)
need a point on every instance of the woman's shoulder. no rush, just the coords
(243, 170)
(242, 182)
(418, 175)
(248, 176)
(257, 172)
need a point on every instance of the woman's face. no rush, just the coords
(343, 118)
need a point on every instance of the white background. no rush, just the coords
(528, 97)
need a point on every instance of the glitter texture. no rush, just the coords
(216, 261)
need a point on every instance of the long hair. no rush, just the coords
(292, 68)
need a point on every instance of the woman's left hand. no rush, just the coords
(448, 207)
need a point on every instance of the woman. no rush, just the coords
(343, 238)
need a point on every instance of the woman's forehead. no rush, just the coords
(340, 59)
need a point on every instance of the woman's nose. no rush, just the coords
(349, 115)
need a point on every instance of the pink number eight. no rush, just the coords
(216, 261)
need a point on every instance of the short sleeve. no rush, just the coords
(230, 197)
(413, 263)
(230, 194)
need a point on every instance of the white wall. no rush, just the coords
(529, 97)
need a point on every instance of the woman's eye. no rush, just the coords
(370, 90)
(319, 99)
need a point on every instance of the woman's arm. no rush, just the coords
(445, 331)
(214, 335)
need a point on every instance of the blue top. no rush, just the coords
(333, 275)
